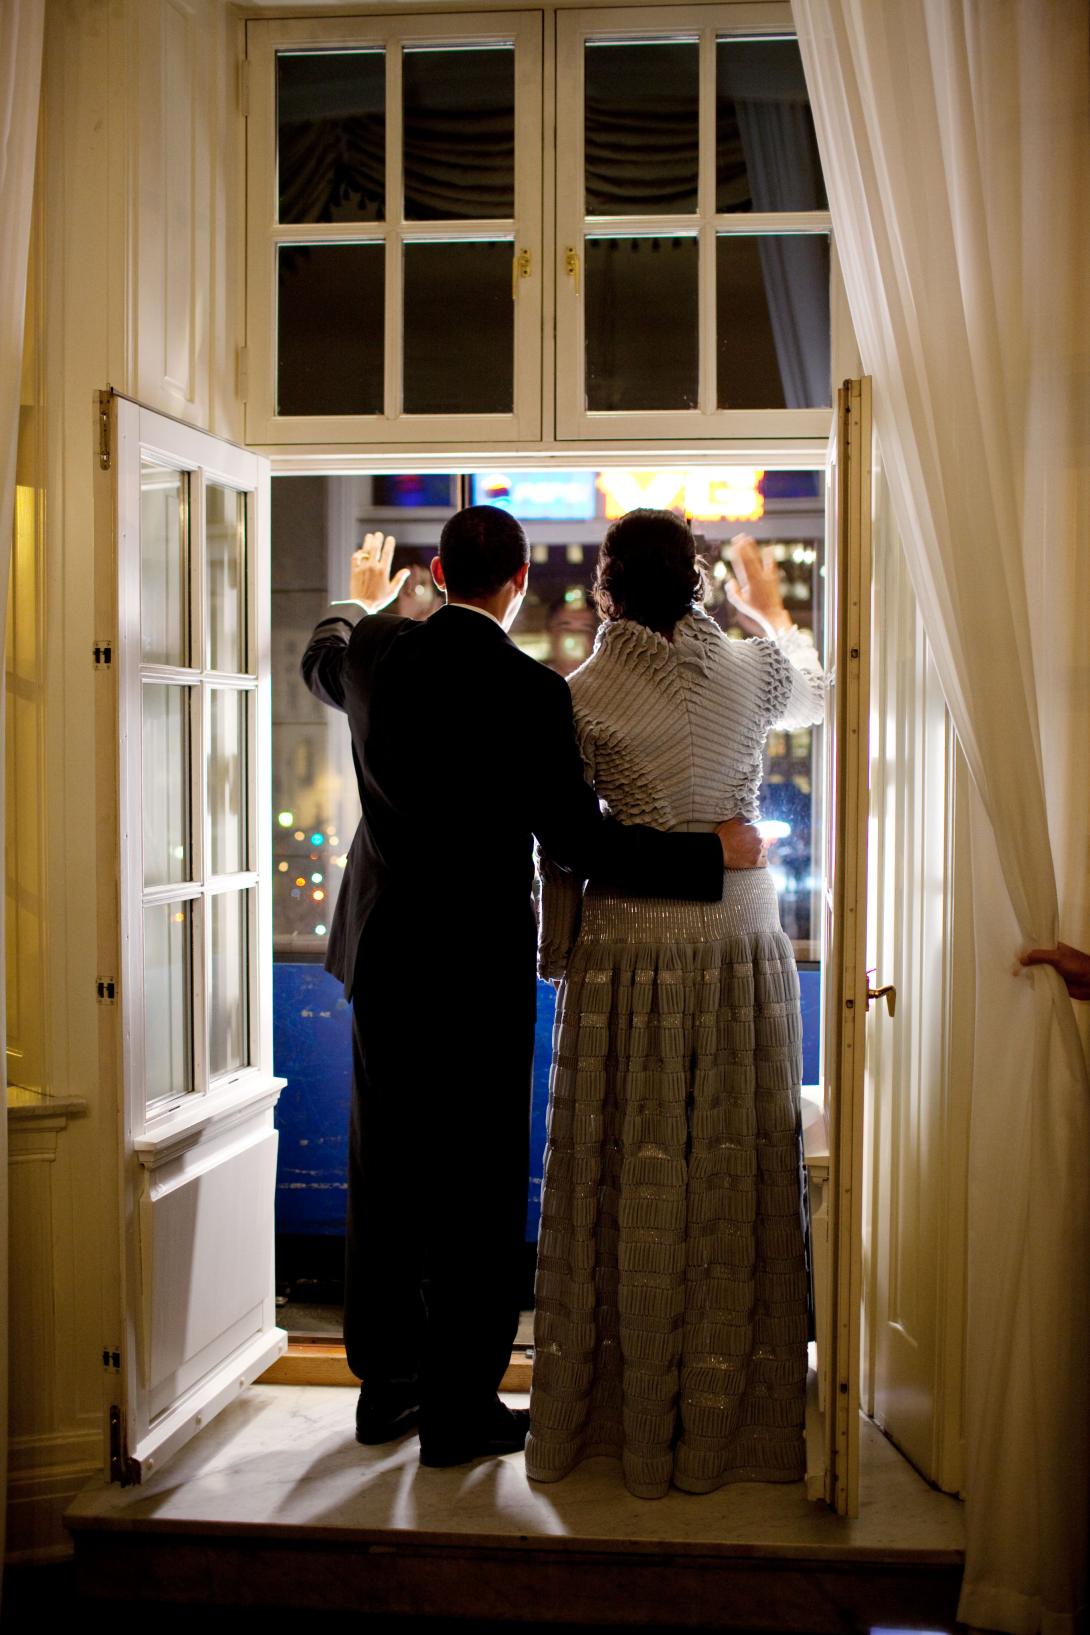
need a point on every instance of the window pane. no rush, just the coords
(459, 328)
(331, 135)
(330, 328)
(766, 153)
(168, 1000)
(227, 773)
(164, 565)
(633, 362)
(225, 551)
(228, 994)
(641, 127)
(772, 316)
(459, 111)
(165, 792)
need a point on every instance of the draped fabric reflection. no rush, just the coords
(956, 149)
(21, 29)
(767, 160)
(458, 147)
(332, 169)
(785, 174)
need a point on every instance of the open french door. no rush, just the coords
(835, 1153)
(185, 938)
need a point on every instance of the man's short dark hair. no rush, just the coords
(481, 548)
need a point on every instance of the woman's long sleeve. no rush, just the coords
(798, 680)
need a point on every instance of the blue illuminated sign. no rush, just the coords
(553, 496)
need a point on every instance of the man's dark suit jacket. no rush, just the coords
(465, 749)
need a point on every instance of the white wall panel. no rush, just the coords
(205, 1249)
(136, 285)
(917, 1087)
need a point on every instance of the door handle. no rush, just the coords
(888, 993)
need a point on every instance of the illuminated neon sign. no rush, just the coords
(551, 496)
(706, 493)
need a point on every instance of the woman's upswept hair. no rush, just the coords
(648, 570)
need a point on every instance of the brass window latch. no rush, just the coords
(887, 992)
(571, 266)
(521, 267)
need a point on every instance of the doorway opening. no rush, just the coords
(317, 521)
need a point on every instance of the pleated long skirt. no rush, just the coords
(671, 1296)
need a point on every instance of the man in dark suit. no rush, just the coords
(464, 750)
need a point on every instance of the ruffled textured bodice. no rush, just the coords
(672, 733)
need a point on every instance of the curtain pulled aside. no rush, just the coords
(956, 145)
(21, 31)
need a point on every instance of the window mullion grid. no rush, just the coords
(219, 884)
(769, 221)
(395, 210)
(578, 191)
(708, 398)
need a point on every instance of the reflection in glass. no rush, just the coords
(772, 317)
(641, 127)
(225, 556)
(766, 155)
(164, 565)
(459, 328)
(168, 1001)
(331, 135)
(228, 993)
(459, 111)
(166, 808)
(227, 779)
(330, 329)
(642, 323)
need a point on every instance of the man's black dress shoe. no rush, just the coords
(504, 1431)
(383, 1418)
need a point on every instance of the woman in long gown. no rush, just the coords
(671, 1297)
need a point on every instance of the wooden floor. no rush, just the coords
(275, 1505)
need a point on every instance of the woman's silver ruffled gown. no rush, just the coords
(671, 1315)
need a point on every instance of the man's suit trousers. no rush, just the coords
(443, 1038)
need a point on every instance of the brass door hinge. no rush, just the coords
(244, 87)
(122, 1468)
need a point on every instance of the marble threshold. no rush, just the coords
(281, 1462)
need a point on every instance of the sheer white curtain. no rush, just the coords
(955, 140)
(21, 25)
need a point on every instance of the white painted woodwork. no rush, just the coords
(394, 427)
(56, 1425)
(574, 420)
(198, 1173)
(917, 1062)
(112, 97)
(844, 816)
(182, 131)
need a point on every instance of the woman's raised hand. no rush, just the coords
(370, 581)
(755, 588)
